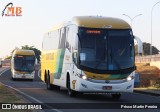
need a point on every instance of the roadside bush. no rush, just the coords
(149, 75)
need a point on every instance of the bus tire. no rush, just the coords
(48, 85)
(51, 86)
(71, 92)
(55, 87)
(13, 79)
(116, 96)
(30, 79)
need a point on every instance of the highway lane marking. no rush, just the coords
(39, 73)
(31, 88)
(38, 101)
(40, 76)
(4, 70)
(146, 94)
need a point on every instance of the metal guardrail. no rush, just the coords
(150, 58)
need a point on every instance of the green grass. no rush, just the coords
(8, 96)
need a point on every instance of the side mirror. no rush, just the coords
(135, 67)
(140, 45)
(75, 55)
(75, 43)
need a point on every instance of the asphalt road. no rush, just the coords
(35, 92)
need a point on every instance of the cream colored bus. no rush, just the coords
(23, 64)
(89, 54)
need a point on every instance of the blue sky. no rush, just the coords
(40, 15)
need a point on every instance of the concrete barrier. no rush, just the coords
(155, 63)
(153, 60)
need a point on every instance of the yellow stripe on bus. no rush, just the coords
(97, 76)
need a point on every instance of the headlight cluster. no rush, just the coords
(82, 76)
(15, 72)
(129, 78)
(33, 72)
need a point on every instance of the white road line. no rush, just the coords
(39, 73)
(38, 101)
(145, 94)
(3, 71)
(40, 76)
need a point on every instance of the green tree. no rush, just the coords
(8, 57)
(146, 49)
(37, 52)
(26, 47)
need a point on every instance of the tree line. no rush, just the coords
(146, 49)
(26, 47)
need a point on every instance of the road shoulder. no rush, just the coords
(153, 92)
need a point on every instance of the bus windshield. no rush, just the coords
(103, 49)
(24, 63)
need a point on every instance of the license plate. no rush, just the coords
(107, 87)
(23, 76)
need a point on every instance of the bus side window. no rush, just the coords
(67, 43)
(72, 31)
(49, 38)
(62, 38)
(69, 38)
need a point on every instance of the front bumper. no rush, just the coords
(88, 86)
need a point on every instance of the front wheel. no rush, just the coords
(116, 96)
(13, 79)
(48, 85)
(51, 86)
(71, 92)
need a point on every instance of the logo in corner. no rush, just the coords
(9, 10)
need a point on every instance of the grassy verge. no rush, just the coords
(8, 96)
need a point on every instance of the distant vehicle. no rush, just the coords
(89, 54)
(0, 62)
(23, 64)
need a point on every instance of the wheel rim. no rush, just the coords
(116, 96)
(69, 89)
(48, 83)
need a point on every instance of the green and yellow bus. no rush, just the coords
(89, 54)
(23, 64)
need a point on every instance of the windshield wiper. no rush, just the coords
(97, 65)
(114, 60)
(111, 57)
(25, 65)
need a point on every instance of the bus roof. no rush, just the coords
(23, 52)
(95, 22)
(100, 22)
(56, 27)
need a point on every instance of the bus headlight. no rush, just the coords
(16, 72)
(33, 72)
(82, 76)
(129, 78)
